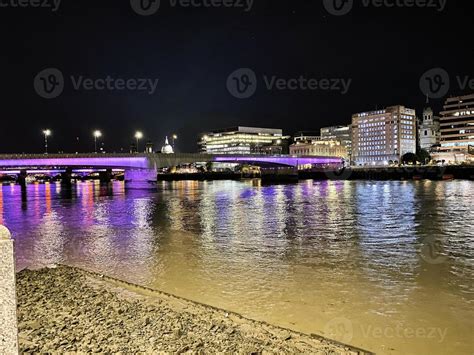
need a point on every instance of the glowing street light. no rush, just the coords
(138, 136)
(174, 137)
(97, 135)
(47, 133)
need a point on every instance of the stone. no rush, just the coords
(47, 297)
(8, 304)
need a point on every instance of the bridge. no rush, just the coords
(141, 170)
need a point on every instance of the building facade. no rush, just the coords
(457, 130)
(244, 140)
(322, 148)
(306, 137)
(342, 134)
(429, 131)
(383, 136)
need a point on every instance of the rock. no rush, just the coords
(63, 310)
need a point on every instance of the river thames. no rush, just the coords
(386, 266)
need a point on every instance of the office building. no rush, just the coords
(306, 137)
(244, 140)
(341, 134)
(457, 130)
(383, 136)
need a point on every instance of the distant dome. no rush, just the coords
(167, 148)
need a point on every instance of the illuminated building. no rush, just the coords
(339, 133)
(383, 136)
(429, 130)
(149, 147)
(457, 130)
(321, 148)
(244, 140)
(167, 148)
(306, 137)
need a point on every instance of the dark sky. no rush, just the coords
(192, 51)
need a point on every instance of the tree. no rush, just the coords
(423, 156)
(409, 158)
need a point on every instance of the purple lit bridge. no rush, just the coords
(141, 170)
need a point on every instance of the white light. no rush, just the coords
(97, 134)
(47, 132)
(139, 135)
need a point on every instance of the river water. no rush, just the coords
(386, 266)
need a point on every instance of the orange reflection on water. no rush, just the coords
(47, 194)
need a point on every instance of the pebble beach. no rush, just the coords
(68, 310)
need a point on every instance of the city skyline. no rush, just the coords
(187, 72)
(237, 176)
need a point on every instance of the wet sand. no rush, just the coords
(68, 310)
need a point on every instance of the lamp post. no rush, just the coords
(138, 136)
(97, 135)
(47, 133)
(174, 137)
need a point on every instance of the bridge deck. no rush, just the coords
(148, 161)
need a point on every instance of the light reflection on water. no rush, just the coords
(296, 255)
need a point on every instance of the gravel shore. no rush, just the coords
(67, 310)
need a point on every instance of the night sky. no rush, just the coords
(192, 51)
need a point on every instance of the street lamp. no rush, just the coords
(47, 133)
(97, 134)
(174, 137)
(138, 136)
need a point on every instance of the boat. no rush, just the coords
(447, 177)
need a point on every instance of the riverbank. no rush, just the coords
(65, 309)
(435, 173)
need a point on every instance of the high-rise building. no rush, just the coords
(244, 140)
(429, 130)
(457, 129)
(341, 134)
(383, 136)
